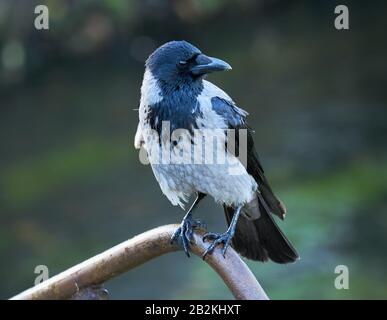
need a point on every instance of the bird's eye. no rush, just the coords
(182, 63)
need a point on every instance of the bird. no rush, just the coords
(180, 112)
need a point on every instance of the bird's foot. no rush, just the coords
(184, 233)
(218, 238)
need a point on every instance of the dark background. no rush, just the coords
(71, 184)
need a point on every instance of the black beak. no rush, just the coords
(206, 64)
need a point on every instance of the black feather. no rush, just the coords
(259, 239)
(235, 117)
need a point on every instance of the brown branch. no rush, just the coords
(136, 251)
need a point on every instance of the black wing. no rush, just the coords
(236, 119)
(258, 239)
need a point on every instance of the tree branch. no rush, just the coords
(136, 251)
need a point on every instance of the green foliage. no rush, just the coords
(33, 180)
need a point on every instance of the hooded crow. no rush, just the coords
(185, 125)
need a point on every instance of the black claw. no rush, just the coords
(209, 250)
(184, 233)
(175, 235)
(185, 246)
(210, 236)
(222, 238)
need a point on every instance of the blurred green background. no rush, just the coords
(71, 184)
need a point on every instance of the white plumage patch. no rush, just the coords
(150, 95)
(211, 90)
(150, 91)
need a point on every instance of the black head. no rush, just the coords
(179, 61)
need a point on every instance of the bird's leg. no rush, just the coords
(187, 226)
(224, 238)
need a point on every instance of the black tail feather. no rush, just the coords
(261, 239)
